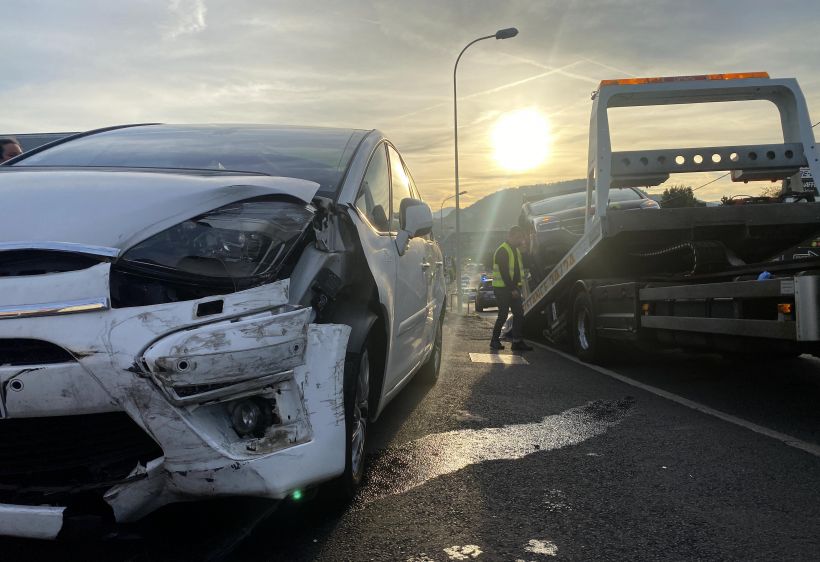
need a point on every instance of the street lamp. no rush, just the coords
(500, 34)
(441, 209)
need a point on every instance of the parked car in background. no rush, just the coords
(555, 224)
(467, 288)
(198, 311)
(485, 296)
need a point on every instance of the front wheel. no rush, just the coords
(430, 370)
(356, 390)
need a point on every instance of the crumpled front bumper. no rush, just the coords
(176, 370)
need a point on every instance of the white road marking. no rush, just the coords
(782, 437)
(463, 552)
(505, 359)
(547, 548)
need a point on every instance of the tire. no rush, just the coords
(358, 368)
(430, 370)
(585, 342)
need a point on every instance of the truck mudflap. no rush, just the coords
(176, 377)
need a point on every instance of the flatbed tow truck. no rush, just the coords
(698, 276)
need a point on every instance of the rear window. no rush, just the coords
(623, 194)
(318, 155)
(487, 285)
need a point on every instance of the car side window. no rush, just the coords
(400, 182)
(415, 194)
(374, 194)
(413, 189)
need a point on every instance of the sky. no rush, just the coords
(388, 65)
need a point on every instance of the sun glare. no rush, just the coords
(521, 139)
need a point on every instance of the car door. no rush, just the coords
(411, 310)
(434, 273)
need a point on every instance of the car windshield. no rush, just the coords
(559, 203)
(487, 285)
(623, 194)
(576, 200)
(314, 154)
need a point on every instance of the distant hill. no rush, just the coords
(500, 210)
(444, 212)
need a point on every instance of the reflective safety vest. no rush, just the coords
(498, 281)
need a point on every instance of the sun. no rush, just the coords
(521, 139)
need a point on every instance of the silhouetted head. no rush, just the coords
(516, 237)
(9, 148)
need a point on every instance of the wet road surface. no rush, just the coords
(541, 461)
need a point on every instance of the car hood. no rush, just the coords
(117, 208)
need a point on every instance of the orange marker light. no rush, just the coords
(784, 308)
(666, 79)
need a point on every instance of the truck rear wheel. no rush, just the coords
(585, 341)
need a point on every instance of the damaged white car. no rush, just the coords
(200, 311)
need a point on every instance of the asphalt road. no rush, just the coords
(539, 461)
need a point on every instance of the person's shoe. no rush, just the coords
(495, 344)
(521, 346)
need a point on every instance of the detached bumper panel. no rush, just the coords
(128, 409)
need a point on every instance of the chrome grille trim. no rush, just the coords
(71, 247)
(54, 308)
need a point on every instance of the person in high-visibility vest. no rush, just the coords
(508, 273)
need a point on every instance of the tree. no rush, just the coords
(772, 190)
(680, 196)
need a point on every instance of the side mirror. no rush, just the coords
(415, 219)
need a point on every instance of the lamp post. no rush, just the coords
(441, 209)
(500, 34)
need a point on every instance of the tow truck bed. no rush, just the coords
(689, 273)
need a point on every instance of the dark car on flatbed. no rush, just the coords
(556, 223)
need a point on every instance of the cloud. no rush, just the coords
(189, 17)
(380, 64)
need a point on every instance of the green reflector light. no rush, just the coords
(296, 495)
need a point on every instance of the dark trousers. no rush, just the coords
(506, 302)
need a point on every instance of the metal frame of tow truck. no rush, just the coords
(608, 169)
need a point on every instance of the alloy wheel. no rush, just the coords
(359, 432)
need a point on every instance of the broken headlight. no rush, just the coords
(232, 248)
(241, 240)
